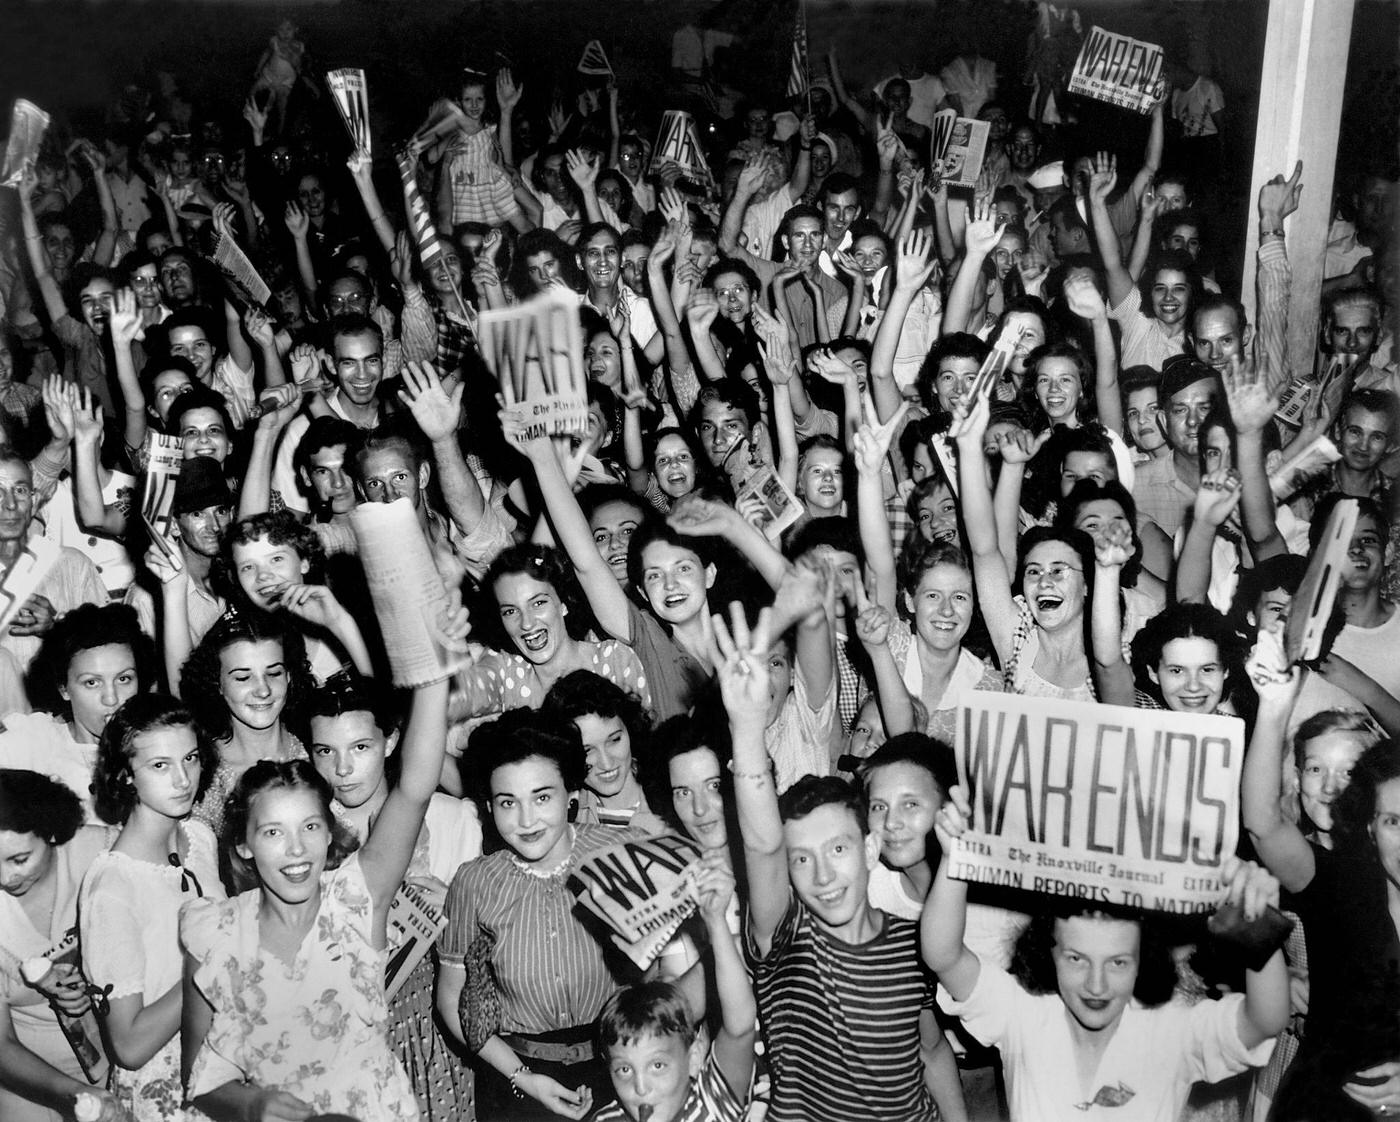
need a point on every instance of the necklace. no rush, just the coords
(556, 873)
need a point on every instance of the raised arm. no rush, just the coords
(743, 680)
(54, 303)
(105, 247)
(1279, 842)
(279, 406)
(732, 224)
(1101, 184)
(989, 568)
(1216, 500)
(584, 173)
(738, 1011)
(1084, 300)
(438, 412)
(943, 926)
(125, 326)
(802, 166)
(389, 848)
(873, 631)
(1152, 154)
(1114, 678)
(1143, 238)
(871, 446)
(1252, 406)
(913, 265)
(981, 237)
(93, 514)
(868, 120)
(1278, 198)
(361, 171)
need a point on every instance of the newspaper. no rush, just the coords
(989, 374)
(414, 923)
(1311, 609)
(535, 350)
(81, 1032)
(1119, 70)
(36, 560)
(961, 143)
(237, 267)
(350, 92)
(642, 890)
(1317, 457)
(1136, 807)
(28, 124)
(409, 596)
(164, 455)
(678, 142)
(781, 508)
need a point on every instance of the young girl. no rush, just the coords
(613, 726)
(93, 660)
(249, 672)
(305, 945)
(44, 852)
(1083, 1019)
(522, 979)
(151, 768)
(475, 186)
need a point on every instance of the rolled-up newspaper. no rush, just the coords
(28, 123)
(410, 598)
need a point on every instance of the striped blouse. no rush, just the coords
(842, 1022)
(550, 970)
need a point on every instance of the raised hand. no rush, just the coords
(125, 321)
(673, 207)
(258, 324)
(754, 173)
(1150, 206)
(438, 411)
(970, 420)
(1083, 297)
(1103, 178)
(953, 819)
(1113, 546)
(714, 886)
(256, 118)
(224, 214)
(401, 260)
(843, 260)
(508, 94)
(872, 439)
(1267, 666)
(1033, 268)
(298, 224)
(831, 368)
(1218, 497)
(778, 361)
(1279, 197)
(1019, 446)
(87, 416)
(582, 170)
(983, 232)
(58, 409)
(699, 517)
(701, 310)
(558, 121)
(743, 668)
(873, 626)
(1251, 403)
(913, 261)
(359, 165)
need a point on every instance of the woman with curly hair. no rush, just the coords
(540, 619)
(285, 1014)
(94, 658)
(275, 563)
(1084, 1018)
(250, 673)
(44, 851)
(613, 726)
(152, 765)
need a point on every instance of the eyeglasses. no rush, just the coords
(1055, 572)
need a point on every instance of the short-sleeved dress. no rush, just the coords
(509, 681)
(35, 1025)
(318, 1028)
(128, 917)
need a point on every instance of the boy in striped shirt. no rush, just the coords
(840, 984)
(658, 1069)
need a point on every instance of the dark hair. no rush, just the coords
(542, 563)
(113, 789)
(385, 438)
(1218, 302)
(155, 367)
(801, 210)
(199, 396)
(1367, 507)
(1086, 408)
(84, 628)
(1355, 808)
(83, 274)
(354, 323)
(277, 775)
(1087, 491)
(732, 265)
(1186, 621)
(730, 393)
(516, 735)
(1136, 378)
(592, 230)
(812, 792)
(582, 693)
(957, 344)
(838, 183)
(1175, 260)
(31, 803)
(919, 749)
(1026, 305)
(325, 432)
(541, 241)
(1077, 540)
(192, 315)
(203, 670)
(1033, 960)
(838, 533)
(645, 1009)
(659, 530)
(347, 692)
(676, 736)
(279, 527)
(1373, 400)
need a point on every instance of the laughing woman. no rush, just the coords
(285, 1013)
(151, 766)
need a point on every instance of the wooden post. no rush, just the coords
(1300, 113)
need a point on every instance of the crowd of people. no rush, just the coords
(744, 607)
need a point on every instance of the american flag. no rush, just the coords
(797, 73)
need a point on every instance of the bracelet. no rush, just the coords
(516, 1074)
(33, 237)
(1276, 232)
(758, 775)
